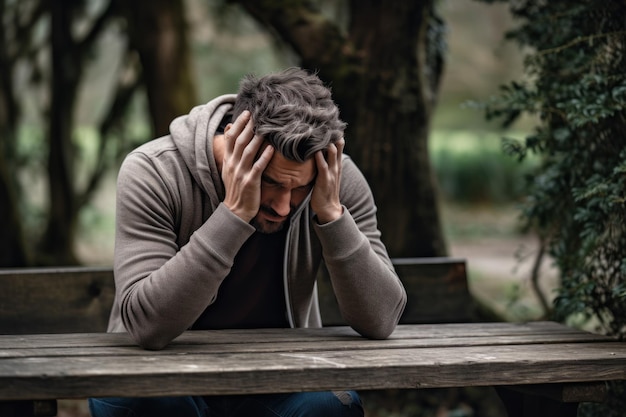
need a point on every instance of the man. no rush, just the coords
(224, 223)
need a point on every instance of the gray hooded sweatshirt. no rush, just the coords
(176, 242)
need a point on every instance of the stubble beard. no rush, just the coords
(265, 226)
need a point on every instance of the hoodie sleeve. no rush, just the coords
(369, 293)
(162, 288)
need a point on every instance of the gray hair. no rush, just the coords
(292, 110)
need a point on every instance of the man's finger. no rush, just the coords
(264, 159)
(341, 144)
(252, 149)
(234, 130)
(244, 138)
(320, 161)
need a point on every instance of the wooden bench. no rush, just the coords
(55, 300)
(437, 292)
(78, 300)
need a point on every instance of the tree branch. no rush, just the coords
(536, 275)
(96, 29)
(24, 31)
(317, 40)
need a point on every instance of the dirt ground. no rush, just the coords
(500, 259)
(499, 274)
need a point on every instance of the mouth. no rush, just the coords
(274, 219)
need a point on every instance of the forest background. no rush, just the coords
(83, 82)
(478, 185)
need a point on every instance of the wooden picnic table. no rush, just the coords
(81, 365)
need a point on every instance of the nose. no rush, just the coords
(281, 203)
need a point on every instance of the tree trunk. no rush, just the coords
(159, 34)
(57, 242)
(68, 56)
(12, 249)
(386, 84)
(392, 122)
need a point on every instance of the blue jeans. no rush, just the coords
(300, 404)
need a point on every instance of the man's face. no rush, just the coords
(284, 186)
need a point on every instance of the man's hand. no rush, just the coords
(241, 170)
(325, 198)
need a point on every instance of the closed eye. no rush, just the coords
(273, 183)
(306, 187)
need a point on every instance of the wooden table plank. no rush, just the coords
(286, 360)
(422, 331)
(437, 335)
(155, 374)
(321, 344)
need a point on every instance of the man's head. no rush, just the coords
(292, 110)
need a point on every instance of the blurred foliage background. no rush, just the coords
(465, 149)
(517, 216)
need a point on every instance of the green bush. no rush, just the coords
(576, 84)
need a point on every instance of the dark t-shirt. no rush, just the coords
(252, 295)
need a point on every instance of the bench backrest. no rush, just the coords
(55, 300)
(437, 292)
(67, 300)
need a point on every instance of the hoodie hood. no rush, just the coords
(193, 136)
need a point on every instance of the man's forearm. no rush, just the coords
(370, 295)
(163, 291)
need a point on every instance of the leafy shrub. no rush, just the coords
(577, 85)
